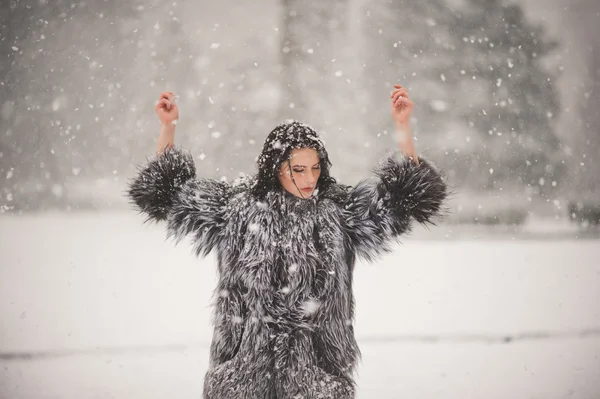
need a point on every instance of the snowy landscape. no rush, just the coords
(501, 300)
(101, 306)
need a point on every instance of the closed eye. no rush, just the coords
(302, 170)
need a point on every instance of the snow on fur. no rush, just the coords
(284, 304)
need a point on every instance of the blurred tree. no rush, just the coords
(29, 166)
(77, 96)
(405, 42)
(475, 70)
(222, 65)
(586, 159)
(515, 115)
(320, 78)
(52, 114)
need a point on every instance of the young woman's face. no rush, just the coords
(305, 171)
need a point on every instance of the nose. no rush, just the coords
(311, 179)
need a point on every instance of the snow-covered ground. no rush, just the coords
(98, 305)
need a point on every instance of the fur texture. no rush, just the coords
(284, 306)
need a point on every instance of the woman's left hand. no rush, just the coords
(401, 110)
(401, 107)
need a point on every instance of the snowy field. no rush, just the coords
(101, 306)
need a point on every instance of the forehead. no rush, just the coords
(304, 156)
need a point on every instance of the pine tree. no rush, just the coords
(517, 106)
(486, 104)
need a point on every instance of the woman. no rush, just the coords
(286, 241)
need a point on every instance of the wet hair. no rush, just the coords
(287, 136)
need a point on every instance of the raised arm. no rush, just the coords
(404, 188)
(383, 207)
(167, 188)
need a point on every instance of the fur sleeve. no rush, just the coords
(167, 189)
(382, 208)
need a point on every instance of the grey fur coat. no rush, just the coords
(284, 307)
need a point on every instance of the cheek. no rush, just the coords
(315, 176)
(285, 179)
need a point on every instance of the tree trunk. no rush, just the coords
(320, 77)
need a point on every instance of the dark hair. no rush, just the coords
(278, 147)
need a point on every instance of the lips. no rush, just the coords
(307, 189)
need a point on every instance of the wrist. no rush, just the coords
(402, 125)
(167, 128)
(410, 154)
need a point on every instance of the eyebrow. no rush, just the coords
(293, 166)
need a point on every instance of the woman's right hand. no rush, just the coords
(166, 109)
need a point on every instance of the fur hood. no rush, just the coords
(284, 307)
(277, 149)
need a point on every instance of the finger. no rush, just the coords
(397, 96)
(398, 86)
(403, 102)
(168, 101)
(167, 94)
(163, 104)
(400, 93)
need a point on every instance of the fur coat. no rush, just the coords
(284, 307)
